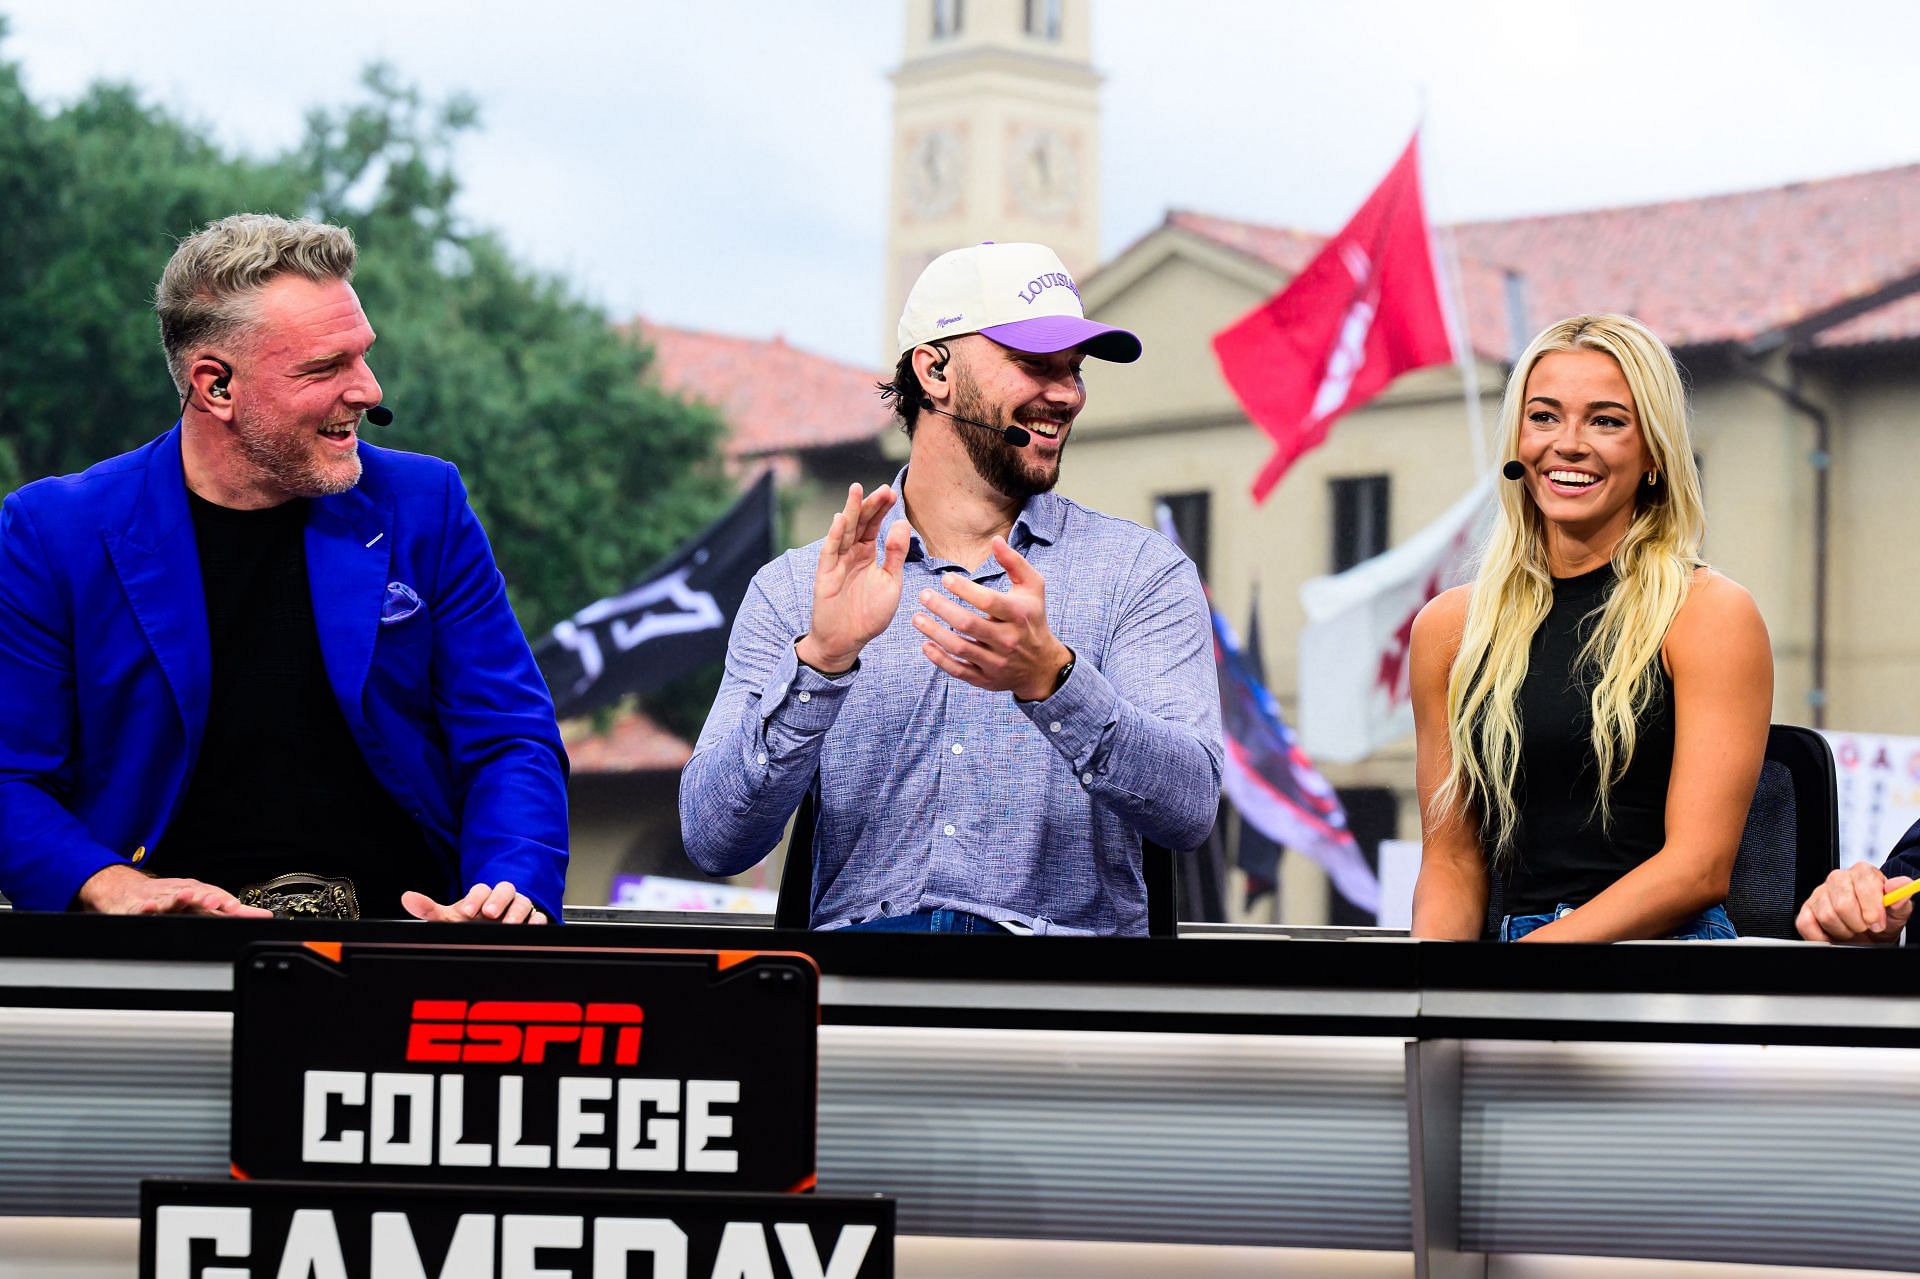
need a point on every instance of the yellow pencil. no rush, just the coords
(1901, 894)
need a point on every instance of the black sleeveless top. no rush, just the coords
(1560, 852)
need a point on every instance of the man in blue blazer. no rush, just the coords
(258, 648)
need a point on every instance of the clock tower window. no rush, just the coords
(947, 17)
(1043, 19)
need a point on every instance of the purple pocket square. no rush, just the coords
(400, 604)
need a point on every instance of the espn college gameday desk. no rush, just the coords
(1234, 1102)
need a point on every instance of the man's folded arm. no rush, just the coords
(46, 853)
(760, 748)
(509, 765)
(1142, 733)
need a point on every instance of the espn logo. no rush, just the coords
(501, 1031)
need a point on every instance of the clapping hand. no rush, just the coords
(1009, 650)
(855, 594)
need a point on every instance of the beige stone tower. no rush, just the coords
(996, 136)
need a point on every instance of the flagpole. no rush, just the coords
(1453, 305)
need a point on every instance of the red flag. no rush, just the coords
(1364, 311)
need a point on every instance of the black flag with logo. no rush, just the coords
(675, 619)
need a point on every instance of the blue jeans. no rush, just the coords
(927, 921)
(1710, 924)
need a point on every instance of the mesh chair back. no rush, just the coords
(1792, 837)
(1761, 900)
(794, 908)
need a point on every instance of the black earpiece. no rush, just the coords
(219, 387)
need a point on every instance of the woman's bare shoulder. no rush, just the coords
(1719, 616)
(1715, 599)
(1445, 613)
(1438, 625)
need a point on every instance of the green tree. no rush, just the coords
(582, 472)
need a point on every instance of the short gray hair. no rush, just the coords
(207, 293)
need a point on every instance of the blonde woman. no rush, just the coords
(1591, 711)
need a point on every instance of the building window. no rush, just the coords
(1191, 518)
(1043, 19)
(947, 17)
(1359, 519)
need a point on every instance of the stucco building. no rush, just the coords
(1795, 311)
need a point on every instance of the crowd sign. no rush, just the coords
(523, 1066)
(196, 1229)
(1879, 780)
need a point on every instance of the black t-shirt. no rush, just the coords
(280, 784)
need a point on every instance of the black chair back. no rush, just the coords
(1790, 844)
(794, 909)
(1792, 837)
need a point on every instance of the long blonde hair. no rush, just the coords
(1653, 564)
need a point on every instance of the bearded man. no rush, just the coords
(257, 666)
(994, 692)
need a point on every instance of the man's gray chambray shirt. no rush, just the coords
(935, 794)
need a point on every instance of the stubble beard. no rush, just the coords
(998, 463)
(288, 458)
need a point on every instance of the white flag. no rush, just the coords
(1354, 695)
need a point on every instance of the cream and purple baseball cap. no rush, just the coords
(1020, 295)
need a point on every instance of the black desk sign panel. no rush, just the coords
(628, 1069)
(260, 1229)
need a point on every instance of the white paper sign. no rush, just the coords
(1879, 779)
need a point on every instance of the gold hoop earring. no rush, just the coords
(1652, 478)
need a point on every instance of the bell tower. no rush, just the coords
(996, 136)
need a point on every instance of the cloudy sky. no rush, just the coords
(721, 164)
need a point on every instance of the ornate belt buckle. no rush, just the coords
(302, 896)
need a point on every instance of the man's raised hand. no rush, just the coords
(855, 595)
(1009, 650)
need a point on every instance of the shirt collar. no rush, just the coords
(1040, 520)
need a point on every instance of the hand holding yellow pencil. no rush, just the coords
(1857, 904)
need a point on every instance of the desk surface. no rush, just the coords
(1694, 992)
(1588, 1098)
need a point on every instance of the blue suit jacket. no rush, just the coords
(105, 672)
(1905, 857)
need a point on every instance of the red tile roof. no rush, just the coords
(1894, 322)
(774, 397)
(633, 744)
(1719, 269)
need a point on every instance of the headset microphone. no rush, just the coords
(380, 415)
(1014, 435)
(1513, 470)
